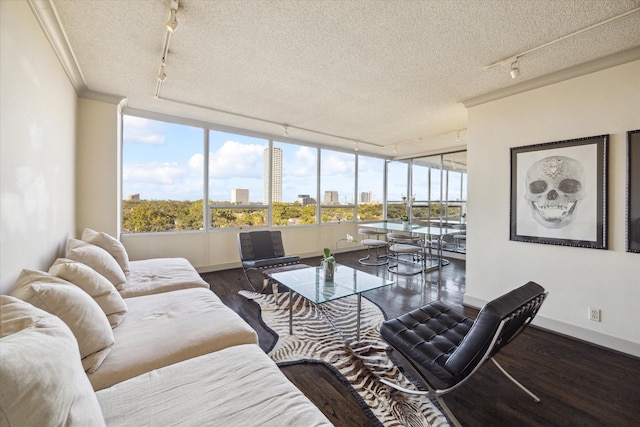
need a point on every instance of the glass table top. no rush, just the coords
(432, 230)
(310, 282)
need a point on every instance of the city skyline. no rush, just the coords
(165, 161)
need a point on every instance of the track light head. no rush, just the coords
(515, 69)
(161, 77)
(172, 23)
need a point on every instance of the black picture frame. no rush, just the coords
(633, 191)
(559, 193)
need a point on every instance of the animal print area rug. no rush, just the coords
(326, 333)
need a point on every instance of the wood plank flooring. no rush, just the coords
(579, 384)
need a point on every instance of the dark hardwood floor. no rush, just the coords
(579, 384)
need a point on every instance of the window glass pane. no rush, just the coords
(370, 188)
(455, 165)
(236, 171)
(397, 187)
(236, 217)
(162, 176)
(236, 177)
(337, 184)
(298, 185)
(420, 181)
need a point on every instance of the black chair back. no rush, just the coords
(256, 245)
(508, 314)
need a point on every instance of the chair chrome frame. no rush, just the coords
(374, 243)
(404, 244)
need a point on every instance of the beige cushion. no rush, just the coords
(75, 307)
(156, 275)
(41, 377)
(169, 327)
(98, 259)
(235, 386)
(109, 244)
(95, 284)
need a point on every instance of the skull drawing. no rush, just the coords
(555, 185)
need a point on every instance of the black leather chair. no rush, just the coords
(444, 348)
(261, 250)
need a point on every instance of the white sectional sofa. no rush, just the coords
(100, 340)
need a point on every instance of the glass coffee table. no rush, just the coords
(311, 284)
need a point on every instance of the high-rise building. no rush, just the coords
(366, 197)
(240, 196)
(305, 199)
(331, 198)
(276, 177)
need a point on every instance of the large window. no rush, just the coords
(294, 184)
(169, 170)
(162, 176)
(397, 189)
(440, 185)
(337, 186)
(238, 174)
(370, 188)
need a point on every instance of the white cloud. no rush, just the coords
(145, 131)
(196, 162)
(335, 165)
(162, 181)
(153, 173)
(304, 164)
(235, 159)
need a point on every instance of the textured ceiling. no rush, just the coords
(383, 73)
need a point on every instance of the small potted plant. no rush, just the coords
(329, 264)
(405, 221)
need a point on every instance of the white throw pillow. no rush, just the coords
(98, 259)
(95, 284)
(75, 307)
(109, 244)
(42, 379)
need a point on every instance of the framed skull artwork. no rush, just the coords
(559, 193)
(633, 191)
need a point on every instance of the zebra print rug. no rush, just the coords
(326, 333)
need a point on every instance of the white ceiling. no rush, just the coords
(383, 73)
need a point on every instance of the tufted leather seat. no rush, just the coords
(445, 347)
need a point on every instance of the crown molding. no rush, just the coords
(579, 70)
(102, 97)
(48, 19)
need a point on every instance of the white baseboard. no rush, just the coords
(594, 337)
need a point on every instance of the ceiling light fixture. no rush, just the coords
(172, 23)
(514, 58)
(395, 148)
(161, 74)
(285, 128)
(170, 26)
(515, 69)
(355, 145)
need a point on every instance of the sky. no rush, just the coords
(165, 161)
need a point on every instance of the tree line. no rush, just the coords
(144, 216)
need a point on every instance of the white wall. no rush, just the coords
(97, 167)
(606, 102)
(37, 140)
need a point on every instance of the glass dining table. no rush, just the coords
(430, 233)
